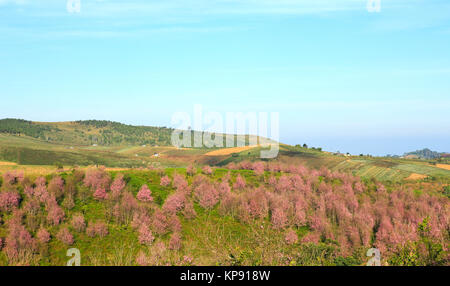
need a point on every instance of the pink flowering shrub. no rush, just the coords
(78, 222)
(179, 182)
(207, 170)
(9, 201)
(258, 168)
(99, 229)
(65, 236)
(175, 224)
(124, 211)
(117, 186)
(279, 219)
(240, 183)
(140, 217)
(189, 211)
(255, 204)
(55, 214)
(56, 186)
(100, 194)
(175, 241)
(145, 235)
(144, 194)
(174, 203)
(165, 181)
(43, 235)
(191, 170)
(13, 177)
(206, 195)
(291, 237)
(96, 179)
(160, 224)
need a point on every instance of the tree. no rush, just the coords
(65, 236)
(100, 194)
(207, 170)
(78, 222)
(117, 186)
(145, 235)
(240, 183)
(145, 195)
(291, 237)
(165, 181)
(175, 241)
(43, 235)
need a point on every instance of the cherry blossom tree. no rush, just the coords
(165, 181)
(65, 236)
(240, 183)
(144, 194)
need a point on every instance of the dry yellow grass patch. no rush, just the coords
(29, 169)
(443, 166)
(229, 151)
(7, 163)
(415, 176)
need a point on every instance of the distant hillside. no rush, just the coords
(89, 132)
(425, 154)
(95, 132)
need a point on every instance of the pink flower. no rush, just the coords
(100, 194)
(174, 203)
(240, 183)
(117, 186)
(279, 219)
(43, 235)
(165, 181)
(190, 170)
(207, 170)
(175, 241)
(96, 178)
(258, 168)
(9, 201)
(55, 214)
(97, 229)
(175, 224)
(65, 236)
(189, 211)
(160, 224)
(145, 195)
(145, 235)
(291, 237)
(180, 183)
(206, 195)
(78, 222)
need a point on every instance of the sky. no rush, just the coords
(342, 77)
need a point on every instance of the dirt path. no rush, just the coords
(415, 176)
(229, 151)
(7, 163)
(443, 166)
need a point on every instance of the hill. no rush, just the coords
(424, 154)
(88, 132)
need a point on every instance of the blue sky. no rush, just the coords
(342, 78)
